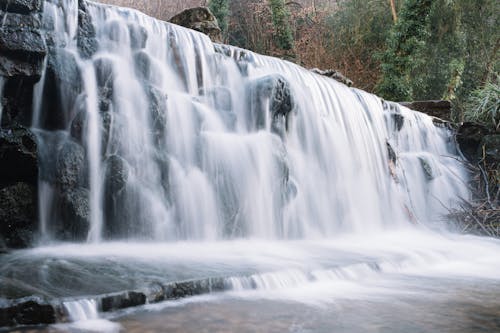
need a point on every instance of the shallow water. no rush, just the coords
(401, 281)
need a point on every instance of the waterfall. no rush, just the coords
(156, 133)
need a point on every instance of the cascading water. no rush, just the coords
(207, 160)
(185, 139)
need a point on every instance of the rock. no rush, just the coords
(138, 36)
(333, 74)
(75, 215)
(18, 156)
(18, 214)
(200, 19)
(426, 167)
(281, 103)
(469, 136)
(21, 6)
(19, 21)
(398, 120)
(78, 126)
(86, 35)
(25, 44)
(122, 300)
(70, 166)
(489, 148)
(142, 64)
(440, 109)
(158, 113)
(31, 311)
(117, 173)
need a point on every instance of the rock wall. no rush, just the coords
(22, 53)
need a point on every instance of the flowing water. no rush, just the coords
(202, 160)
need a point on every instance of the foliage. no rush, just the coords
(406, 41)
(484, 105)
(220, 9)
(281, 16)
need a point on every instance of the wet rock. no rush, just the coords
(18, 156)
(70, 166)
(104, 70)
(86, 35)
(281, 104)
(427, 168)
(142, 65)
(469, 136)
(200, 19)
(17, 102)
(333, 74)
(21, 6)
(439, 108)
(22, 43)
(117, 173)
(489, 148)
(18, 214)
(78, 126)
(398, 120)
(19, 21)
(158, 113)
(31, 311)
(62, 86)
(75, 215)
(122, 300)
(138, 36)
(391, 153)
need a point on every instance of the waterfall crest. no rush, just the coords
(150, 131)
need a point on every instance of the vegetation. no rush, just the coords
(484, 105)
(281, 17)
(220, 9)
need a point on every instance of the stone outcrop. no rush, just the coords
(200, 19)
(333, 74)
(440, 109)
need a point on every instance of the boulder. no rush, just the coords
(86, 35)
(277, 90)
(21, 6)
(439, 108)
(469, 136)
(18, 214)
(19, 21)
(489, 148)
(22, 43)
(18, 156)
(75, 215)
(200, 19)
(30, 311)
(70, 166)
(333, 74)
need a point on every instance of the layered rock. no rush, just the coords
(200, 19)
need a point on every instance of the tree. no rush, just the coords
(220, 9)
(281, 17)
(405, 43)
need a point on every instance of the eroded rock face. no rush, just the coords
(439, 108)
(489, 148)
(200, 19)
(469, 137)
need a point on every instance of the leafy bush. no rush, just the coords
(484, 105)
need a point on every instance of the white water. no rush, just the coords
(206, 160)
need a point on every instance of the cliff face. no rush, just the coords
(22, 53)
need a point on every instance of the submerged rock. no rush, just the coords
(200, 19)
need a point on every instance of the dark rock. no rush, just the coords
(18, 156)
(489, 148)
(426, 167)
(86, 35)
(18, 214)
(32, 311)
(200, 19)
(469, 136)
(333, 74)
(138, 36)
(281, 104)
(391, 153)
(78, 126)
(105, 76)
(19, 21)
(122, 300)
(398, 120)
(25, 44)
(438, 122)
(75, 215)
(142, 64)
(21, 6)
(117, 173)
(158, 113)
(17, 102)
(62, 86)
(440, 109)
(70, 166)
(13, 67)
